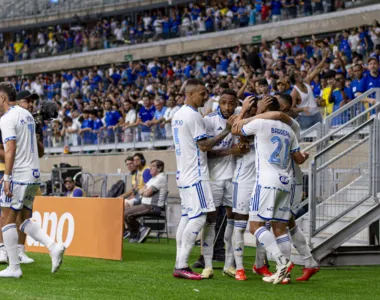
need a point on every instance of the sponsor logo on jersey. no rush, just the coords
(284, 179)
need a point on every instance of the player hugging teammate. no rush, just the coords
(246, 161)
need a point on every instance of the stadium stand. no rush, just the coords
(179, 20)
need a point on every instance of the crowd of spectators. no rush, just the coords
(180, 21)
(136, 101)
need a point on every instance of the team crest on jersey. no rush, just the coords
(36, 173)
(284, 179)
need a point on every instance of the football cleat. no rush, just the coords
(230, 271)
(307, 273)
(263, 271)
(56, 253)
(240, 275)
(282, 272)
(207, 273)
(24, 259)
(271, 279)
(3, 256)
(200, 263)
(10, 273)
(186, 273)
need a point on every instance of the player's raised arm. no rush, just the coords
(206, 144)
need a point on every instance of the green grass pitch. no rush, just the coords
(146, 273)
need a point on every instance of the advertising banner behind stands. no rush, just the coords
(88, 227)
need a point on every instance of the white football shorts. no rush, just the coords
(269, 204)
(23, 196)
(196, 199)
(241, 197)
(222, 191)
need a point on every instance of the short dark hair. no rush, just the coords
(160, 164)
(287, 98)
(263, 81)
(193, 81)
(274, 106)
(230, 92)
(8, 89)
(67, 119)
(224, 85)
(129, 158)
(141, 156)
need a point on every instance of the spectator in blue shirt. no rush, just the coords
(72, 191)
(112, 119)
(355, 84)
(86, 128)
(97, 126)
(345, 47)
(166, 25)
(372, 78)
(276, 9)
(159, 118)
(340, 97)
(145, 115)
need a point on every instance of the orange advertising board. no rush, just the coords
(88, 227)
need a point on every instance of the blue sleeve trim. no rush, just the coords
(242, 131)
(201, 137)
(146, 175)
(11, 138)
(295, 150)
(25, 183)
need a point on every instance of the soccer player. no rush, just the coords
(21, 160)
(275, 145)
(243, 183)
(221, 163)
(191, 144)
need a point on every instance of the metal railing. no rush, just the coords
(342, 177)
(107, 139)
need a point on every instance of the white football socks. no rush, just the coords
(208, 237)
(10, 237)
(300, 243)
(31, 228)
(190, 234)
(239, 230)
(261, 254)
(179, 235)
(268, 241)
(283, 242)
(229, 260)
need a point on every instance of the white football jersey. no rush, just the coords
(188, 127)
(274, 143)
(245, 170)
(298, 175)
(18, 124)
(221, 168)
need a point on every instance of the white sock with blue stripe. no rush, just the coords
(10, 237)
(283, 242)
(239, 229)
(229, 260)
(190, 234)
(29, 227)
(179, 236)
(268, 241)
(208, 237)
(300, 243)
(261, 254)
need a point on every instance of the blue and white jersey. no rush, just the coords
(18, 124)
(245, 170)
(274, 143)
(188, 127)
(221, 168)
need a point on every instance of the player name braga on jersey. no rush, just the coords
(88, 227)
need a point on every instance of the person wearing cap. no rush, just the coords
(25, 99)
(72, 191)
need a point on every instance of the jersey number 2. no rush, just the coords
(31, 129)
(275, 157)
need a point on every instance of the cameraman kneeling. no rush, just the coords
(153, 200)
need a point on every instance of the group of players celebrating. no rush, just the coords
(245, 159)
